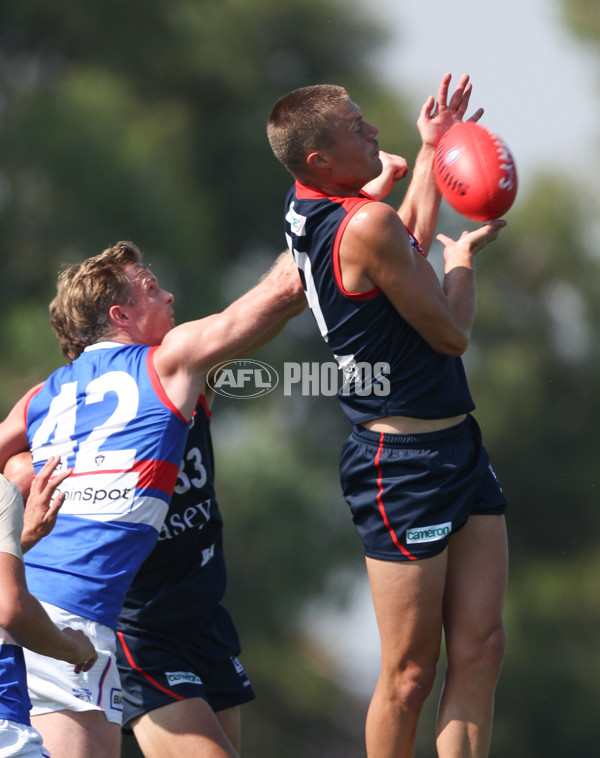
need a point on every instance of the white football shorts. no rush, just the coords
(20, 741)
(54, 686)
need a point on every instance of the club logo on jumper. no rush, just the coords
(243, 379)
(428, 533)
(296, 221)
(182, 677)
(83, 693)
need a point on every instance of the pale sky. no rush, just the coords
(540, 86)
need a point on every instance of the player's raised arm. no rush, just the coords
(188, 352)
(421, 204)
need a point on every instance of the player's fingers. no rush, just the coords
(459, 92)
(41, 480)
(427, 109)
(54, 507)
(50, 466)
(59, 478)
(442, 96)
(88, 664)
(496, 224)
(444, 240)
(477, 115)
(400, 171)
(463, 104)
(83, 667)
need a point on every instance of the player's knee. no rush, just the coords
(410, 686)
(494, 647)
(483, 652)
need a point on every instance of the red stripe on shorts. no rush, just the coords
(146, 676)
(395, 539)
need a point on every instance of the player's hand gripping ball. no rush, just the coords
(475, 172)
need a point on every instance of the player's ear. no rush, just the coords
(316, 159)
(117, 315)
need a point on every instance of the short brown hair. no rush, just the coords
(84, 294)
(303, 120)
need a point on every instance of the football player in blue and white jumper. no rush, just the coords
(118, 416)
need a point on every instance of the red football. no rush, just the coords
(475, 172)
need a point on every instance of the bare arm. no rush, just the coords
(375, 252)
(394, 168)
(421, 204)
(191, 350)
(298, 306)
(30, 626)
(13, 437)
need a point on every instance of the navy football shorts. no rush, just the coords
(409, 493)
(189, 659)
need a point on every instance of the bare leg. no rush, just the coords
(231, 723)
(188, 729)
(408, 601)
(68, 734)
(475, 640)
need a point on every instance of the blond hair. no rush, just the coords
(79, 313)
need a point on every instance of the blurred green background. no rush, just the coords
(145, 120)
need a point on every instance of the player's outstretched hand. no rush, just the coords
(462, 251)
(394, 168)
(438, 115)
(84, 655)
(41, 509)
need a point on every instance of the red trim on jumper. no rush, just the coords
(351, 209)
(146, 676)
(305, 192)
(159, 475)
(395, 539)
(157, 386)
(204, 404)
(31, 394)
(351, 204)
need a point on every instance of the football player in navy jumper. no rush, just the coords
(178, 648)
(422, 493)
